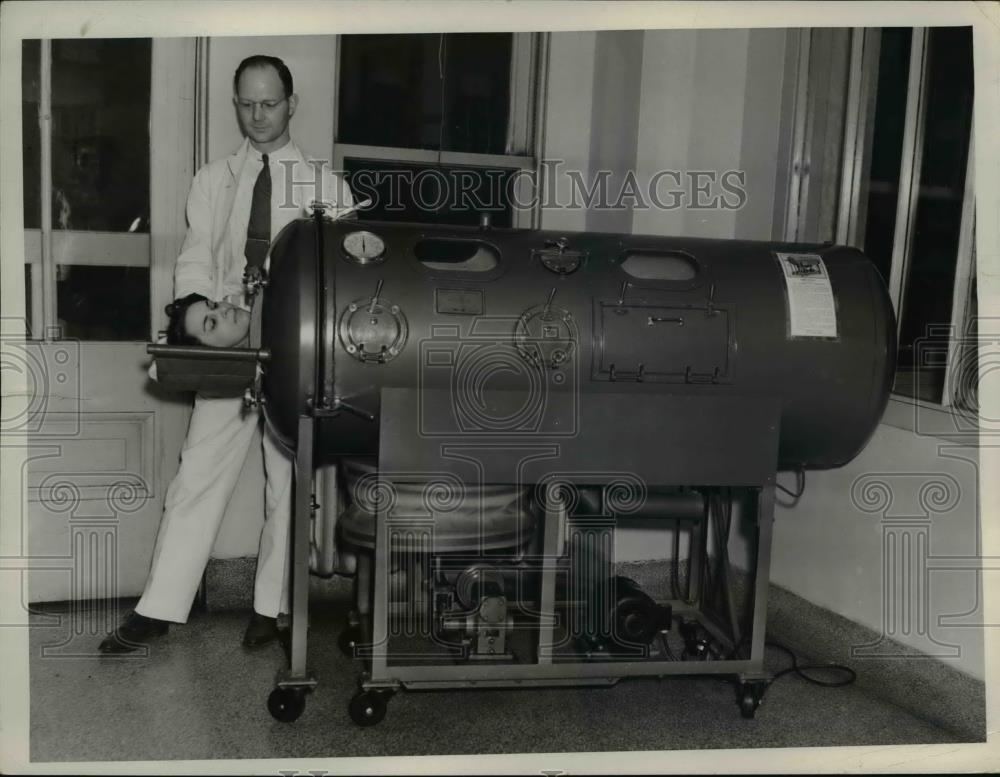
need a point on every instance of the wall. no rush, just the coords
(614, 119)
(568, 115)
(691, 119)
(883, 541)
(312, 60)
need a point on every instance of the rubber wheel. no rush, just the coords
(367, 708)
(347, 639)
(748, 704)
(286, 704)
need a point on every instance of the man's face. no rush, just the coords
(218, 324)
(263, 108)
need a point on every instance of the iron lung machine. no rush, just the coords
(474, 413)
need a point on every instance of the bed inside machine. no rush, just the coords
(474, 414)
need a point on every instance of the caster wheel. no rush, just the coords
(750, 698)
(347, 640)
(367, 708)
(286, 704)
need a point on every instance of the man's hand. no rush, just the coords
(254, 279)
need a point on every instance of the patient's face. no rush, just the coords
(218, 324)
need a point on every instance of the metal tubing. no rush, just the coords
(380, 608)
(725, 572)
(300, 547)
(363, 583)
(326, 317)
(569, 672)
(550, 553)
(762, 572)
(208, 353)
(697, 554)
(521, 683)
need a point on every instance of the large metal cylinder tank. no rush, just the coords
(353, 307)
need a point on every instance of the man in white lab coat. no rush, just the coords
(228, 203)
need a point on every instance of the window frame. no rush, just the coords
(945, 419)
(171, 148)
(527, 74)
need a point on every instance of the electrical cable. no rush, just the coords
(801, 670)
(666, 647)
(800, 480)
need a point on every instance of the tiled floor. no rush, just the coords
(199, 695)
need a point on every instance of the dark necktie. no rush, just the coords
(259, 227)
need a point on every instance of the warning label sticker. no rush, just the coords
(811, 308)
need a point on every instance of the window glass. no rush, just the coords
(27, 300)
(429, 194)
(660, 265)
(449, 92)
(100, 109)
(32, 155)
(100, 134)
(456, 255)
(30, 133)
(966, 367)
(887, 146)
(929, 284)
(103, 303)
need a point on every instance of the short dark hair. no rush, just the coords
(262, 60)
(176, 311)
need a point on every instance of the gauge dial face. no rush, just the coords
(364, 247)
(562, 263)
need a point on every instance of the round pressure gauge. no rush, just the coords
(364, 247)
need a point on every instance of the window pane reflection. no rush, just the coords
(426, 91)
(27, 301)
(30, 133)
(103, 303)
(100, 134)
(427, 194)
(927, 297)
(887, 146)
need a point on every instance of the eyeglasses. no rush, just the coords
(267, 105)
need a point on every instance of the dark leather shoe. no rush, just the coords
(260, 631)
(133, 633)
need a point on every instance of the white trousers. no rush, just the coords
(218, 439)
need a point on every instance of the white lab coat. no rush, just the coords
(211, 263)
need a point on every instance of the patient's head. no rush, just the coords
(195, 320)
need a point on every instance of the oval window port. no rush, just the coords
(456, 255)
(652, 265)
